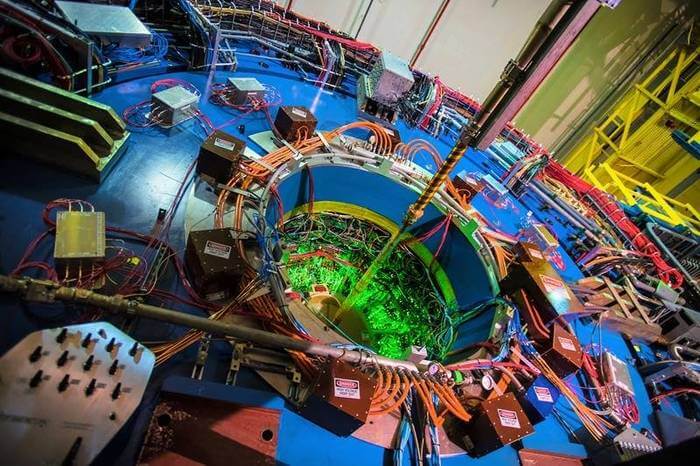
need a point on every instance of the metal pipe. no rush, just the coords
(675, 349)
(364, 17)
(579, 223)
(48, 291)
(426, 37)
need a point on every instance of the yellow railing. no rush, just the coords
(644, 196)
(633, 150)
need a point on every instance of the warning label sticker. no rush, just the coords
(536, 254)
(346, 388)
(552, 285)
(224, 144)
(543, 394)
(567, 344)
(217, 249)
(508, 418)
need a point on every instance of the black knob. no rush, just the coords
(86, 341)
(36, 380)
(36, 354)
(113, 368)
(117, 391)
(134, 349)
(62, 359)
(110, 346)
(88, 362)
(61, 337)
(63, 384)
(90, 389)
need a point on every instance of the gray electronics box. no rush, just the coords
(389, 79)
(110, 24)
(682, 326)
(241, 89)
(174, 105)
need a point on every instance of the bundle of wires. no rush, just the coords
(156, 51)
(616, 216)
(401, 307)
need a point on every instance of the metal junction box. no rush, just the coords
(240, 90)
(543, 285)
(79, 235)
(219, 156)
(174, 105)
(389, 79)
(292, 122)
(340, 398)
(370, 108)
(213, 262)
(108, 23)
(539, 399)
(500, 421)
(616, 373)
(562, 352)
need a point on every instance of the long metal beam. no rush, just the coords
(48, 291)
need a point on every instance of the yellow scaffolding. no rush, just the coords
(631, 153)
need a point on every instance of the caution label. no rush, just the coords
(552, 285)
(543, 394)
(508, 418)
(224, 144)
(346, 388)
(567, 344)
(217, 249)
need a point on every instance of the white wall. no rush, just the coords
(344, 15)
(475, 39)
(398, 25)
(469, 48)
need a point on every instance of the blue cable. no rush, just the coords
(155, 51)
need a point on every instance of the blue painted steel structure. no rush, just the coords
(146, 179)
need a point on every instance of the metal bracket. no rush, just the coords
(235, 366)
(202, 354)
(676, 369)
(294, 388)
(512, 72)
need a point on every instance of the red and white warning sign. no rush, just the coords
(217, 249)
(508, 418)
(553, 285)
(543, 394)
(567, 344)
(346, 388)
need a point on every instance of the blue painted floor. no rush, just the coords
(146, 179)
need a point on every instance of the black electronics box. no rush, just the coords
(562, 352)
(219, 157)
(293, 122)
(213, 262)
(548, 291)
(500, 421)
(340, 398)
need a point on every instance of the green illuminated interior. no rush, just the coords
(403, 305)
